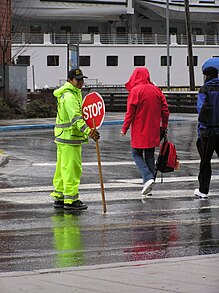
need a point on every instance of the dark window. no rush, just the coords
(66, 29)
(196, 31)
(164, 60)
(84, 60)
(111, 60)
(25, 60)
(35, 29)
(173, 30)
(139, 60)
(53, 60)
(93, 30)
(121, 30)
(146, 30)
(195, 60)
(207, 1)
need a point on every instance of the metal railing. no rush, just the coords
(138, 39)
(115, 99)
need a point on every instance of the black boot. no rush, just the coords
(58, 204)
(76, 205)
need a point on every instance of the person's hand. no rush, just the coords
(94, 134)
(121, 132)
(163, 133)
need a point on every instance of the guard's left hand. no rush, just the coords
(94, 134)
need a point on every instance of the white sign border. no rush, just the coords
(103, 106)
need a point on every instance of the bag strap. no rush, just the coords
(161, 177)
(165, 139)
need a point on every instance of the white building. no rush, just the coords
(112, 38)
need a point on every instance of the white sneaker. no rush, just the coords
(144, 198)
(200, 194)
(147, 195)
(147, 187)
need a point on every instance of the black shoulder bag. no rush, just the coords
(205, 113)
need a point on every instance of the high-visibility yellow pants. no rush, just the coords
(68, 172)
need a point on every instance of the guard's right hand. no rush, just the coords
(94, 134)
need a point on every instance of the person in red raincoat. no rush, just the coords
(147, 114)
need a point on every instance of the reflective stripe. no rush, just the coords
(57, 195)
(68, 141)
(64, 125)
(83, 128)
(59, 192)
(72, 197)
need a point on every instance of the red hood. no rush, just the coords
(139, 76)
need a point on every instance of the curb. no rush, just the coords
(3, 160)
(51, 125)
(39, 126)
(129, 264)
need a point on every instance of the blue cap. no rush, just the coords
(211, 62)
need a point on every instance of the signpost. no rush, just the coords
(93, 110)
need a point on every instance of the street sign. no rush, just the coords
(93, 110)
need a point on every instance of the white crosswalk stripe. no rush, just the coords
(110, 195)
(120, 189)
(120, 163)
(121, 183)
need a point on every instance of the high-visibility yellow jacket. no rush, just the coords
(70, 127)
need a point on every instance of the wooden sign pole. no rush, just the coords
(100, 172)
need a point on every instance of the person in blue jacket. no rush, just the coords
(208, 128)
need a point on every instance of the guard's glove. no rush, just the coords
(163, 133)
(94, 134)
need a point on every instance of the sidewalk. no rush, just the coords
(8, 125)
(186, 274)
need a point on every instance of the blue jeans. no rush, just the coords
(146, 164)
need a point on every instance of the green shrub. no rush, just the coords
(3, 106)
(37, 108)
(41, 104)
(6, 112)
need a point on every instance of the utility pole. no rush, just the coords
(189, 45)
(5, 42)
(168, 44)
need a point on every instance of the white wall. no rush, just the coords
(179, 71)
(118, 75)
(49, 76)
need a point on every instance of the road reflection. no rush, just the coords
(67, 240)
(207, 232)
(154, 244)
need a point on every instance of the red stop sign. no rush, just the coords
(93, 109)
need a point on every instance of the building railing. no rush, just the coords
(138, 39)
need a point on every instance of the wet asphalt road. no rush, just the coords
(171, 223)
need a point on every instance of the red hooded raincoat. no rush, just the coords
(147, 110)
